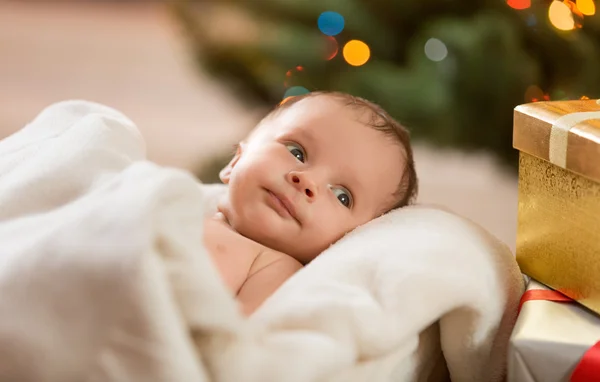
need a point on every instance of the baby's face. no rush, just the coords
(308, 175)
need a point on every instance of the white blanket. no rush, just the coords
(103, 277)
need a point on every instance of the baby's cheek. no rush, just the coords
(346, 227)
(328, 233)
(259, 169)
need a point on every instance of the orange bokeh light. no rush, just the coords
(519, 4)
(586, 7)
(293, 76)
(561, 16)
(331, 47)
(533, 94)
(285, 100)
(576, 13)
(356, 52)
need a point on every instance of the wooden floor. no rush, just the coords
(131, 57)
(126, 55)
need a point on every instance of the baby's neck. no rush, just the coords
(220, 217)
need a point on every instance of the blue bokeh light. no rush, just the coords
(295, 91)
(331, 23)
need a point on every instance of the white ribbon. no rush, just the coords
(557, 151)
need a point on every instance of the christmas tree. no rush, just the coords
(451, 71)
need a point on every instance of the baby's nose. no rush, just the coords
(303, 183)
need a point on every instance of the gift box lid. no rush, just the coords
(564, 133)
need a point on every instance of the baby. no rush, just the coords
(315, 168)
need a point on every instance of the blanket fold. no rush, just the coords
(103, 277)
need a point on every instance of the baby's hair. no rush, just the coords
(406, 192)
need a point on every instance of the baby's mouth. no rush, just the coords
(283, 206)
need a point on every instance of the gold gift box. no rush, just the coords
(549, 340)
(558, 230)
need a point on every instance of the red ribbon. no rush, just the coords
(588, 368)
(542, 294)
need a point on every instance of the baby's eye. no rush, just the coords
(343, 196)
(296, 151)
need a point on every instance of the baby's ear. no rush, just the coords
(226, 171)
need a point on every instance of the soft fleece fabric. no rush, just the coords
(103, 277)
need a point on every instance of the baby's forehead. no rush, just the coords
(318, 112)
(326, 118)
(325, 105)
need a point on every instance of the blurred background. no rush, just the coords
(196, 76)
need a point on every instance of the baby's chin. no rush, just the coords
(262, 232)
(269, 230)
(273, 237)
(292, 246)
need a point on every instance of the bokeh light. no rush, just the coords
(331, 23)
(533, 94)
(575, 13)
(587, 7)
(435, 50)
(519, 4)
(295, 91)
(561, 16)
(559, 95)
(356, 52)
(285, 100)
(331, 47)
(293, 76)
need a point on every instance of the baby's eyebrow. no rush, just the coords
(307, 135)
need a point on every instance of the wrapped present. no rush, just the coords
(558, 232)
(554, 340)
